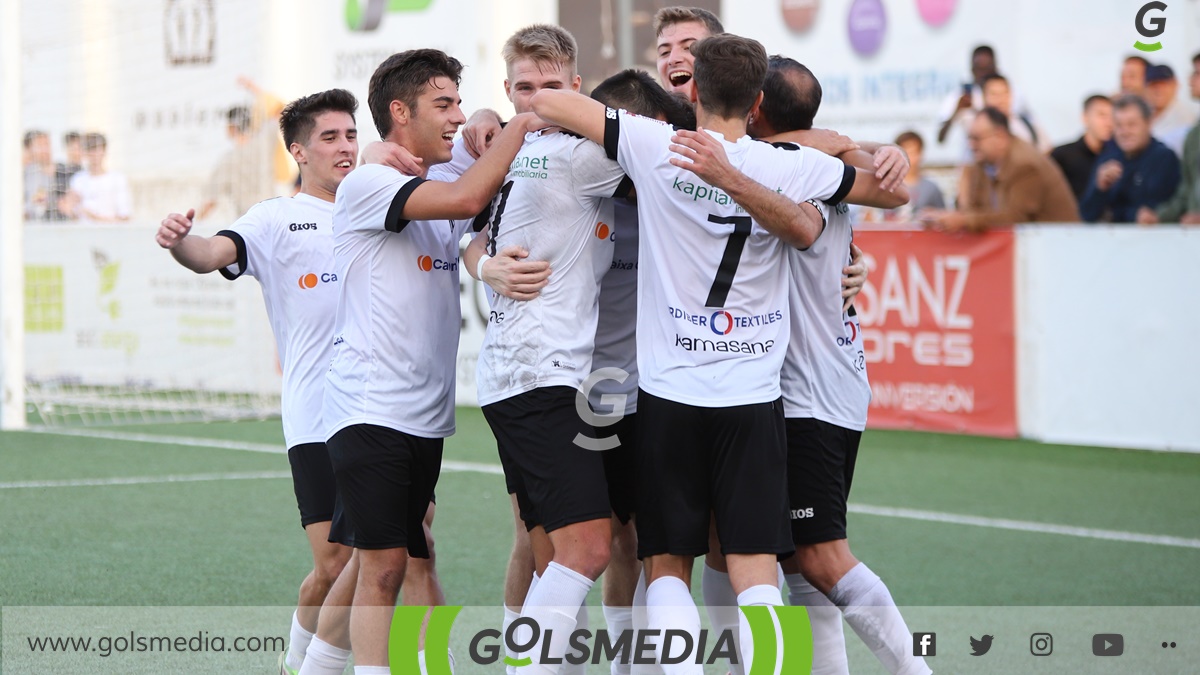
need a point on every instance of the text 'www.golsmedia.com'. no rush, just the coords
(202, 642)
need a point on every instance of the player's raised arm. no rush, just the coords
(199, 254)
(571, 110)
(470, 194)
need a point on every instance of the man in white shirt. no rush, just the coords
(389, 397)
(712, 328)
(97, 194)
(287, 245)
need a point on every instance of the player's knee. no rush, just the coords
(590, 557)
(824, 564)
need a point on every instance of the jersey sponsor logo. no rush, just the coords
(846, 341)
(311, 280)
(605, 231)
(429, 264)
(300, 227)
(722, 346)
(627, 265)
(722, 322)
(703, 192)
(801, 514)
(530, 167)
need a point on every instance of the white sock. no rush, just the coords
(372, 670)
(554, 605)
(722, 605)
(509, 617)
(869, 609)
(581, 623)
(298, 645)
(618, 620)
(523, 634)
(640, 623)
(323, 658)
(421, 662)
(829, 641)
(764, 595)
(669, 605)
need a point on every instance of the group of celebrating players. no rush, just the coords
(735, 401)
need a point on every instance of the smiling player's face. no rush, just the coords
(527, 77)
(675, 58)
(435, 120)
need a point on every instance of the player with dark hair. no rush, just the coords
(287, 244)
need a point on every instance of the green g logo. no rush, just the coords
(1150, 28)
(365, 15)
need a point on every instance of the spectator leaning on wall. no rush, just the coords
(1184, 205)
(1009, 182)
(1133, 170)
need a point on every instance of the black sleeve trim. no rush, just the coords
(612, 132)
(240, 244)
(784, 145)
(624, 188)
(395, 221)
(844, 189)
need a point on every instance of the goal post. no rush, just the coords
(12, 271)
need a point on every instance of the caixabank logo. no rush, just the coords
(366, 15)
(782, 643)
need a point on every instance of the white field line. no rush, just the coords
(495, 469)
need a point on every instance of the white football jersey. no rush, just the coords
(616, 337)
(287, 244)
(712, 323)
(395, 335)
(825, 373)
(550, 204)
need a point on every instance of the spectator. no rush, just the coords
(1078, 159)
(1133, 75)
(97, 194)
(998, 94)
(961, 106)
(1133, 170)
(246, 174)
(38, 175)
(923, 193)
(1172, 118)
(1184, 205)
(1010, 182)
(65, 171)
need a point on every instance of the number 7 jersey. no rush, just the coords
(713, 316)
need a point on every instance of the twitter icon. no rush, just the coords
(981, 646)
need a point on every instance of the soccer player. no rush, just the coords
(287, 244)
(389, 395)
(825, 400)
(537, 352)
(711, 326)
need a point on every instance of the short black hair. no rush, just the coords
(298, 118)
(639, 93)
(1094, 99)
(997, 118)
(94, 140)
(994, 77)
(791, 95)
(1132, 101)
(239, 117)
(984, 49)
(402, 77)
(1196, 57)
(1140, 59)
(728, 71)
(72, 137)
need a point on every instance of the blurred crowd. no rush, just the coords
(80, 187)
(1136, 160)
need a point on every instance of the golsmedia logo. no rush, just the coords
(1150, 27)
(311, 280)
(366, 15)
(637, 647)
(428, 264)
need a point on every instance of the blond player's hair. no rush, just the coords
(669, 16)
(544, 44)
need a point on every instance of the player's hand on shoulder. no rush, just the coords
(825, 140)
(174, 228)
(891, 166)
(704, 155)
(510, 275)
(392, 154)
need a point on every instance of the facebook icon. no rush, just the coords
(924, 644)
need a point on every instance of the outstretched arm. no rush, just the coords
(571, 110)
(199, 254)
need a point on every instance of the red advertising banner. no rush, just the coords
(937, 316)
